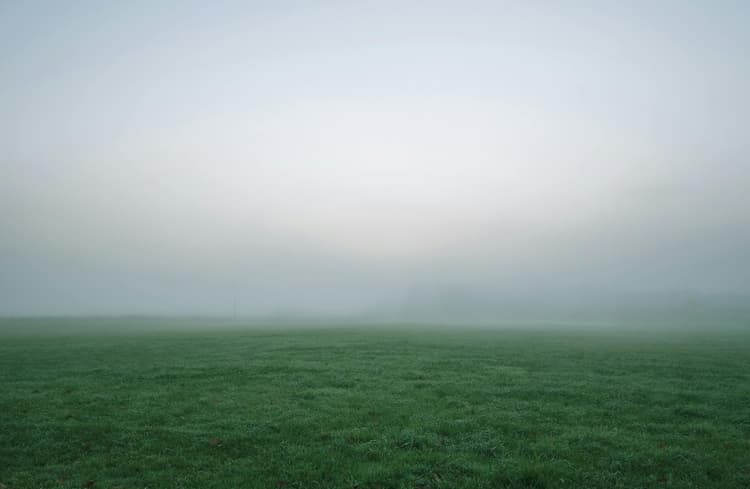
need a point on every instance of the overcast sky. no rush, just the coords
(336, 156)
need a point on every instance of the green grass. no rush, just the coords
(371, 408)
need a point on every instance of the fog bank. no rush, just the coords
(443, 160)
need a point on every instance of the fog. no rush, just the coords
(377, 158)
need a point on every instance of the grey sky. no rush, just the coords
(332, 156)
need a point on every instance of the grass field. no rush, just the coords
(109, 405)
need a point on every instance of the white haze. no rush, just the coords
(345, 157)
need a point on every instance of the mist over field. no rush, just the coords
(382, 159)
(380, 244)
